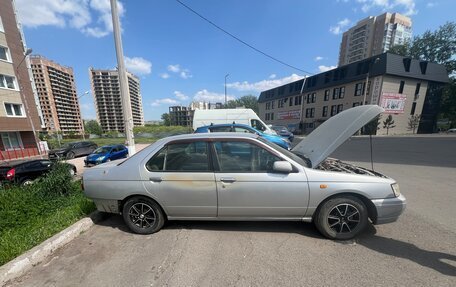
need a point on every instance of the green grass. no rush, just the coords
(30, 215)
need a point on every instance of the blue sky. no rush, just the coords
(180, 58)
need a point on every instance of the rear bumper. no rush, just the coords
(389, 209)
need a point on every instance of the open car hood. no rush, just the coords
(325, 139)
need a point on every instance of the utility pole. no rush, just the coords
(226, 76)
(123, 81)
(301, 124)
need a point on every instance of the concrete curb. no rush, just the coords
(23, 263)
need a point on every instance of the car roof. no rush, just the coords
(210, 135)
(227, 125)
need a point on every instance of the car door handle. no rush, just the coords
(155, 179)
(227, 179)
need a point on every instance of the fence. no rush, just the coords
(19, 153)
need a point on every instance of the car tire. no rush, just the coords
(143, 215)
(72, 172)
(70, 155)
(341, 218)
(26, 182)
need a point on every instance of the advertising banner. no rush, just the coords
(288, 115)
(393, 103)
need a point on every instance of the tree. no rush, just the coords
(438, 46)
(388, 123)
(248, 101)
(371, 127)
(166, 119)
(448, 106)
(413, 122)
(93, 127)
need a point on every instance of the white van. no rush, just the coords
(228, 116)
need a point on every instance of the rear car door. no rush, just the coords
(182, 177)
(246, 187)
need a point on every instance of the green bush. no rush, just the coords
(31, 214)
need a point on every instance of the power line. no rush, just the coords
(240, 40)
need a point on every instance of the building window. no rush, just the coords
(4, 54)
(341, 92)
(327, 95)
(355, 104)
(333, 110)
(311, 98)
(298, 100)
(14, 110)
(401, 87)
(7, 82)
(358, 89)
(291, 101)
(336, 92)
(340, 108)
(310, 113)
(412, 112)
(325, 111)
(11, 140)
(1, 26)
(272, 105)
(314, 97)
(267, 116)
(280, 103)
(417, 90)
(272, 116)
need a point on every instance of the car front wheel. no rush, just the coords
(70, 155)
(143, 215)
(342, 218)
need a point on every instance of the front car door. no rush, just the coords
(247, 187)
(181, 177)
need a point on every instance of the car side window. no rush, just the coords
(226, 129)
(257, 125)
(77, 145)
(241, 156)
(243, 130)
(181, 157)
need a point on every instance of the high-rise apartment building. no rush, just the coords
(19, 109)
(57, 95)
(108, 103)
(373, 36)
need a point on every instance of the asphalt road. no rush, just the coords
(418, 250)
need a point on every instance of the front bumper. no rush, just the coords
(389, 209)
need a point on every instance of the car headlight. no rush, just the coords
(101, 158)
(396, 190)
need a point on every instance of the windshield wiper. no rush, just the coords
(303, 157)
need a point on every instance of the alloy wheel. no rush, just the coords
(142, 215)
(343, 218)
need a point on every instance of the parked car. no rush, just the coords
(283, 132)
(241, 128)
(242, 176)
(25, 172)
(451, 131)
(105, 154)
(72, 150)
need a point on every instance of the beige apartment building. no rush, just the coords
(56, 91)
(108, 103)
(404, 87)
(374, 35)
(19, 112)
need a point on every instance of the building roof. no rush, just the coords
(383, 64)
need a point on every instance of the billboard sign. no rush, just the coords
(393, 103)
(288, 115)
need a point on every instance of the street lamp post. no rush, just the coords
(83, 130)
(367, 79)
(226, 76)
(27, 52)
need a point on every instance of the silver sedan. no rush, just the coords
(229, 176)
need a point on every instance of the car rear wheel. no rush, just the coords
(143, 215)
(26, 182)
(342, 218)
(70, 155)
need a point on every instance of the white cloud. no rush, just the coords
(431, 4)
(164, 75)
(138, 65)
(165, 101)
(337, 29)
(408, 6)
(183, 73)
(264, 84)
(324, 68)
(174, 68)
(210, 97)
(91, 17)
(272, 76)
(180, 96)
(318, 58)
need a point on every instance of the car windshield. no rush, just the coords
(68, 145)
(302, 160)
(279, 128)
(103, 149)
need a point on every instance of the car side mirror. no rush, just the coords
(282, 167)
